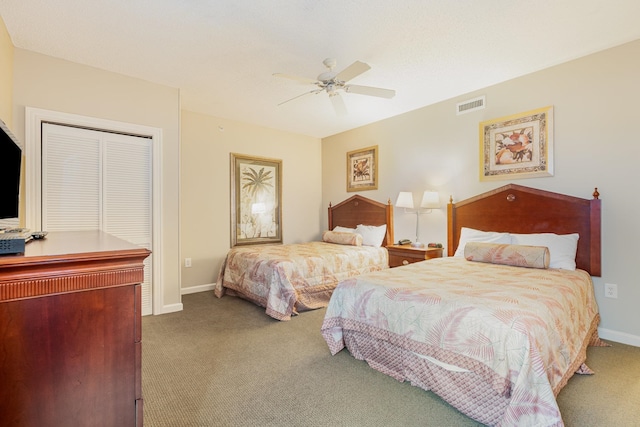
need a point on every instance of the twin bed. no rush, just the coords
(288, 279)
(491, 329)
(496, 329)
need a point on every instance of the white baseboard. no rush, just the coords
(196, 289)
(621, 337)
(172, 308)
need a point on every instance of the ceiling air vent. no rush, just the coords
(470, 105)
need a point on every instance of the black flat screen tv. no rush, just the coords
(10, 163)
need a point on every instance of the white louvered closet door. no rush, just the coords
(99, 180)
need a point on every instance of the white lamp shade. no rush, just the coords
(405, 200)
(430, 200)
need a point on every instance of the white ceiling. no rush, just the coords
(222, 54)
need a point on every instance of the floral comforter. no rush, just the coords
(497, 342)
(287, 279)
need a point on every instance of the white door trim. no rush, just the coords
(33, 136)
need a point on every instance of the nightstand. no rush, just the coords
(405, 254)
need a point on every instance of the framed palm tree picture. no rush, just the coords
(256, 193)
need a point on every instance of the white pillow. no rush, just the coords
(344, 229)
(372, 235)
(562, 247)
(472, 235)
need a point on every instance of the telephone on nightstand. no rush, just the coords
(404, 242)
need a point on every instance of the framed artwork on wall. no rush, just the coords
(517, 146)
(362, 169)
(256, 194)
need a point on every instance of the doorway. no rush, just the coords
(87, 173)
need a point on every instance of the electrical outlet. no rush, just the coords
(187, 262)
(611, 290)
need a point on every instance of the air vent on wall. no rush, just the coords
(470, 105)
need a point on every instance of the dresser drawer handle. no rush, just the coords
(405, 262)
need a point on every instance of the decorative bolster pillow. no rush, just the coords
(500, 253)
(342, 238)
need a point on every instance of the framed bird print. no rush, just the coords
(362, 169)
(517, 146)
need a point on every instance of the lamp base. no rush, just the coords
(417, 245)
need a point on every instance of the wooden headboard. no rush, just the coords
(360, 210)
(518, 209)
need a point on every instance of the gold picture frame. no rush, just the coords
(517, 146)
(362, 169)
(256, 200)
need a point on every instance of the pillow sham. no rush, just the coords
(372, 235)
(344, 229)
(472, 235)
(562, 247)
(505, 254)
(342, 238)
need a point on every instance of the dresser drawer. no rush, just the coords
(404, 255)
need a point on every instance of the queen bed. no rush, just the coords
(288, 279)
(499, 326)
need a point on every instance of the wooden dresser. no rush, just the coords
(70, 332)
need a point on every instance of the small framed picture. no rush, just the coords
(517, 146)
(256, 194)
(362, 169)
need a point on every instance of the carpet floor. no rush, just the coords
(224, 362)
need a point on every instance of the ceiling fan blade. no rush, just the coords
(352, 71)
(338, 104)
(299, 96)
(371, 91)
(291, 77)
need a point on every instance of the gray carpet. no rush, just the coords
(224, 362)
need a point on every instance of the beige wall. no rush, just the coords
(6, 104)
(52, 84)
(6, 74)
(205, 202)
(595, 102)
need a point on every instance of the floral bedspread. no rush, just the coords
(522, 332)
(287, 279)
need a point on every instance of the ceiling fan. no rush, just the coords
(333, 83)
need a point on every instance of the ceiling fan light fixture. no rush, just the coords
(326, 77)
(332, 83)
(330, 63)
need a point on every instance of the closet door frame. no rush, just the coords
(34, 117)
